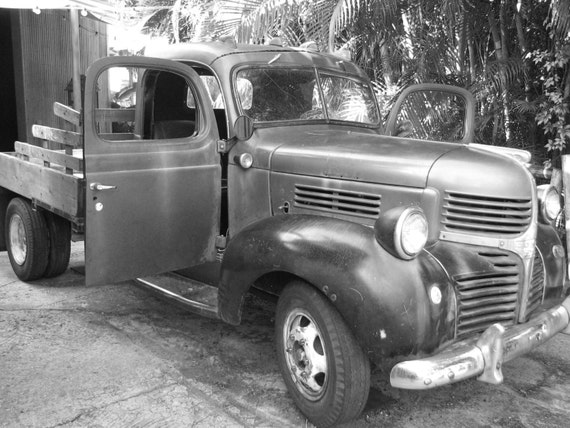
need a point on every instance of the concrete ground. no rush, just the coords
(117, 356)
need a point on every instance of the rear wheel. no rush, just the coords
(324, 368)
(59, 231)
(4, 201)
(26, 240)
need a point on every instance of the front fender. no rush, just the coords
(383, 299)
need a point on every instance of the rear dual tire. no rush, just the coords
(38, 244)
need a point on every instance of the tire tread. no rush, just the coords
(36, 236)
(352, 385)
(59, 231)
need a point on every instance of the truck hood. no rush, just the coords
(358, 156)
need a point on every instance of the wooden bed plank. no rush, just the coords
(67, 138)
(51, 156)
(67, 113)
(115, 115)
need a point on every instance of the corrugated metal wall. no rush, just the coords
(43, 63)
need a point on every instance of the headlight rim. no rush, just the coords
(544, 191)
(398, 232)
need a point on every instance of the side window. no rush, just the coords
(432, 115)
(144, 104)
(348, 100)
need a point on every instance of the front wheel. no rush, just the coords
(324, 368)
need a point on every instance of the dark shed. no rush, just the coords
(36, 67)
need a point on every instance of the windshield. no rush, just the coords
(278, 94)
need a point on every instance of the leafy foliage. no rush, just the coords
(512, 55)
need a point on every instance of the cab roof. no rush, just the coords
(228, 55)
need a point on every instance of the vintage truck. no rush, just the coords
(219, 168)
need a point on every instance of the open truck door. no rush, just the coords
(152, 171)
(433, 112)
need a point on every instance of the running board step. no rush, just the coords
(195, 296)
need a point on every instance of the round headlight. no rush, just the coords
(411, 232)
(549, 202)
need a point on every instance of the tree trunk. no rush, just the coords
(461, 43)
(526, 66)
(501, 55)
(386, 64)
(472, 55)
(175, 20)
(524, 50)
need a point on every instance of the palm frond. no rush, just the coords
(525, 107)
(347, 12)
(560, 17)
(501, 74)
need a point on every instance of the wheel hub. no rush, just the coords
(306, 355)
(18, 243)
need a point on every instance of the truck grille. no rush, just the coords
(483, 214)
(337, 201)
(490, 296)
(536, 290)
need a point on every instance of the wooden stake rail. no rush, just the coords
(66, 140)
(50, 156)
(115, 115)
(68, 114)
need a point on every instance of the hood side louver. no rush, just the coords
(336, 201)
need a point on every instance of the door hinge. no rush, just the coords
(221, 242)
(224, 146)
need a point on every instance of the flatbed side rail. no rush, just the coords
(51, 158)
(53, 177)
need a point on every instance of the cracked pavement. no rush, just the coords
(117, 356)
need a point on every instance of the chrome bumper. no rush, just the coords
(482, 357)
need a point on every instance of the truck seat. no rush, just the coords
(173, 129)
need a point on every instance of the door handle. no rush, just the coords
(99, 186)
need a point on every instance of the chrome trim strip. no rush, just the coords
(200, 308)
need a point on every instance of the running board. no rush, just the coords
(195, 296)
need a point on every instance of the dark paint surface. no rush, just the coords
(383, 299)
(155, 219)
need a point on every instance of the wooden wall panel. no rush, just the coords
(43, 45)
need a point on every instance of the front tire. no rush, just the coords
(26, 240)
(324, 368)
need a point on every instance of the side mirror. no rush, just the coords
(243, 128)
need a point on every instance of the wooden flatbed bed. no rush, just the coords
(52, 178)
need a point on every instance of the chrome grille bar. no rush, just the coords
(488, 296)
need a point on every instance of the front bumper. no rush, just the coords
(482, 357)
